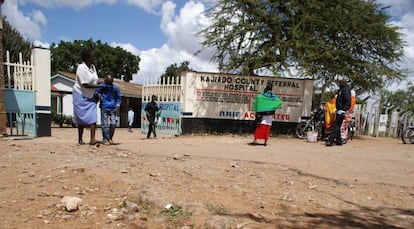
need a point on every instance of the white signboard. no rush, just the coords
(394, 119)
(383, 123)
(226, 96)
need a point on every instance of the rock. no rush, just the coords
(288, 197)
(220, 222)
(43, 194)
(66, 217)
(234, 164)
(132, 206)
(78, 170)
(115, 215)
(194, 208)
(71, 203)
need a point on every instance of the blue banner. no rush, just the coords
(168, 119)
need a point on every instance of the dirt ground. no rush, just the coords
(205, 182)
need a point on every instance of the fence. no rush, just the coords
(168, 91)
(20, 97)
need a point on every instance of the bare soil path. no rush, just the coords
(205, 182)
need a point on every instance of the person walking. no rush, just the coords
(131, 115)
(265, 106)
(84, 101)
(110, 102)
(342, 103)
(151, 109)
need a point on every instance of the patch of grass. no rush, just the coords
(144, 207)
(175, 213)
(218, 210)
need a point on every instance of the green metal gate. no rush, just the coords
(20, 97)
(20, 112)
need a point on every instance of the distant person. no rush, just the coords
(84, 100)
(343, 102)
(330, 110)
(348, 118)
(265, 107)
(110, 102)
(131, 115)
(151, 109)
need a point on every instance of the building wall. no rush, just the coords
(226, 96)
(223, 103)
(41, 62)
(65, 85)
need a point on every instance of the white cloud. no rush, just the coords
(155, 61)
(181, 30)
(80, 4)
(25, 24)
(150, 6)
(41, 44)
(39, 17)
(397, 8)
(402, 14)
(127, 46)
(181, 45)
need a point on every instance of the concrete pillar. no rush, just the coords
(3, 117)
(41, 63)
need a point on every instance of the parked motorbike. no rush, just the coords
(407, 135)
(314, 123)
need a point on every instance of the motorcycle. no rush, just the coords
(407, 135)
(314, 123)
(351, 129)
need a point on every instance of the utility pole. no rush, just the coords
(3, 117)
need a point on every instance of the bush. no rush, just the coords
(68, 119)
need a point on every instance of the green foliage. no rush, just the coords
(324, 39)
(217, 210)
(109, 60)
(173, 72)
(15, 43)
(64, 119)
(400, 99)
(175, 213)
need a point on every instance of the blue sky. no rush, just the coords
(121, 22)
(161, 32)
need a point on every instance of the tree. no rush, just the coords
(400, 99)
(109, 60)
(15, 43)
(324, 39)
(172, 72)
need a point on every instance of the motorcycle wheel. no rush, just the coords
(301, 130)
(407, 136)
(351, 132)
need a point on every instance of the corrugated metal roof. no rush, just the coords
(127, 89)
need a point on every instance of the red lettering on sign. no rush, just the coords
(249, 115)
(276, 117)
(283, 117)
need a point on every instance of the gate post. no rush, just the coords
(3, 117)
(41, 81)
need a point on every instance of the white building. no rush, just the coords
(61, 88)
